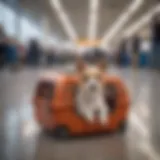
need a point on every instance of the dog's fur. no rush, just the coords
(90, 97)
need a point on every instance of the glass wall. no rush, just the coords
(27, 28)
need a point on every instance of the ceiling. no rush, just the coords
(78, 14)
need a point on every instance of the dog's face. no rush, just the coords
(91, 77)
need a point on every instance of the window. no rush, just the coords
(7, 19)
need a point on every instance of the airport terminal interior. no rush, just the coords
(45, 39)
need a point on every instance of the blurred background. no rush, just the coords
(39, 37)
(43, 33)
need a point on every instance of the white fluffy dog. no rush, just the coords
(90, 98)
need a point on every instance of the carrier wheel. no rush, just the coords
(123, 127)
(61, 132)
(47, 132)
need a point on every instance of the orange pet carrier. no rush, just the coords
(54, 106)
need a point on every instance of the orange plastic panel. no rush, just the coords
(63, 107)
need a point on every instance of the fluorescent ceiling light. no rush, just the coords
(93, 18)
(145, 19)
(69, 29)
(133, 7)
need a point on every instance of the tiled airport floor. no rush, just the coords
(22, 139)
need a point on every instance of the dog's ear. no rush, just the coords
(102, 64)
(80, 64)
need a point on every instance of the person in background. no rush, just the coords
(2, 46)
(135, 51)
(11, 52)
(98, 55)
(50, 56)
(122, 53)
(21, 53)
(34, 53)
